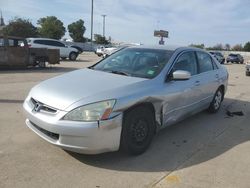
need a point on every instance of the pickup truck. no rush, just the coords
(15, 53)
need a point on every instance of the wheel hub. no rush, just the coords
(139, 130)
(217, 100)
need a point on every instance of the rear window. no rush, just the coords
(49, 43)
(205, 62)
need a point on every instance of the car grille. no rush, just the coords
(43, 106)
(54, 136)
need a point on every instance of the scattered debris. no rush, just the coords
(237, 113)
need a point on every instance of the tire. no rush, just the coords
(72, 56)
(247, 73)
(137, 130)
(216, 102)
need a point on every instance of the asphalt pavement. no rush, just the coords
(205, 150)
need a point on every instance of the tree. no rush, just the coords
(99, 39)
(51, 27)
(237, 47)
(216, 47)
(227, 47)
(247, 47)
(202, 46)
(21, 28)
(77, 30)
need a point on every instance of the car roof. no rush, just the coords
(166, 47)
(43, 39)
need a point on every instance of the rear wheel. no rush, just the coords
(73, 56)
(216, 102)
(138, 130)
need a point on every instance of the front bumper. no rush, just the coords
(80, 137)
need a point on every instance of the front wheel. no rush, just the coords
(73, 56)
(137, 130)
(216, 102)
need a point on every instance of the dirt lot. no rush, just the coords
(202, 151)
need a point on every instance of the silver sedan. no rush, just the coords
(123, 100)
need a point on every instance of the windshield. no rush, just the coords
(136, 62)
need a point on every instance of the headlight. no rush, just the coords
(92, 112)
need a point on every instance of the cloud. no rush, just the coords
(192, 21)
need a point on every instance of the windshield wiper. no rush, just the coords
(120, 72)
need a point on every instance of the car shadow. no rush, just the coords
(48, 69)
(11, 101)
(77, 60)
(176, 146)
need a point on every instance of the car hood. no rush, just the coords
(62, 91)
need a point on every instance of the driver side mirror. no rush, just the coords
(181, 75)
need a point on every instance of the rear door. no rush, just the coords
(64, 51)
(209, 77)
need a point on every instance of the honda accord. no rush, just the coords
(123, 100)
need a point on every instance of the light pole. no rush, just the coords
(92, 8)
(104, 24)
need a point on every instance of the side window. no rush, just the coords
(11, 42)
(205, 62)
(59, 44)
(48, 42)
(39, 42)
(215, 65)
(1, 42)
(186, 62)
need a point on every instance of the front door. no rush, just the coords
(183, 95)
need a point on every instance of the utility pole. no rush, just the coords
(92, 9)
(104, 24)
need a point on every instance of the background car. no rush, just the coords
(218, 56)
(65, 51)
(235, 58)
(99, 51)
(124, 99)
(80, 50)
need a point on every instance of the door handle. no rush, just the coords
(217, 76)
(197, 83)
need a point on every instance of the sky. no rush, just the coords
(188, 21)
